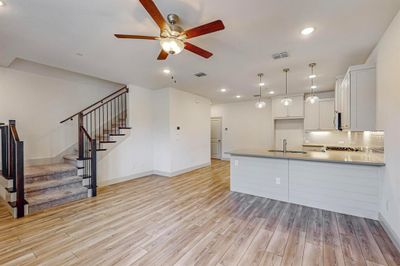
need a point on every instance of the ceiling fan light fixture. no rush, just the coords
(172, 45)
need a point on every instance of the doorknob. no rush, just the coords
(219, 140)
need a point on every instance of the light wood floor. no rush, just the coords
(186, 220)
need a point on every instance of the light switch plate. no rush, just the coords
(278, 180)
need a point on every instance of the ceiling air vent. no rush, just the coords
(200, 74)
(280, 55)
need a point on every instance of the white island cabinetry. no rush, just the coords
(340, 187)
(268, 178)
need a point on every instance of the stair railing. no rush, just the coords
(12, 157)
(96, 124)
(89, 160)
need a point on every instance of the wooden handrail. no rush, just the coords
(14, 133)
(115, 94)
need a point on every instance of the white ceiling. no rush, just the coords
(54, 32)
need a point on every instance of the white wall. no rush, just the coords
(190, 145)
(247, 126)
(38, 97)
(132, 156)
(177, 150)
(387, 58)
(161, 131)
(290, 129)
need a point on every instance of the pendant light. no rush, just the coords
(312, 98)
(260, 104)
(286, 101)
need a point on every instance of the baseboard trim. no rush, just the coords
(148, 173)
(124, 179)
(180, 172)
(392, 235)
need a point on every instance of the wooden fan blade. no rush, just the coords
(152, 9)
(205, 29)
(163, 55)
(126, 36)
(197, 50)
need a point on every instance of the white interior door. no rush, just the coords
(216, 138)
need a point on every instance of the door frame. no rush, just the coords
(221, 140)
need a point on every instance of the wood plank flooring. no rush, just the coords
(191, 219)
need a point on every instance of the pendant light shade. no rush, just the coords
(286, 101)
(312, 98)
(260, 104)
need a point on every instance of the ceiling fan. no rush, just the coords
(172, 37)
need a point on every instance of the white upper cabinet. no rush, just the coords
(320, 115)
(295, 110)
(358, 99)
(311, 116)
(338, 94)
(327, 114)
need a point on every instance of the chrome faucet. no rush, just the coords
(284, 145)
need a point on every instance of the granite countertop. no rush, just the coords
(357, 158)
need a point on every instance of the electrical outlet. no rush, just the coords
(236, 162)
(278, 180)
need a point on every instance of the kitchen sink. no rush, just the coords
(300, 152)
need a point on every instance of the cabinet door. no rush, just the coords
(363, 100)
(296, 109)
(278, 109)
(338, 95)
(346, 102)
(311, 116)
(327, 114)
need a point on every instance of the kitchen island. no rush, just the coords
(344, 182)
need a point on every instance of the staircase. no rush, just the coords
(51, 185)
(32, 189)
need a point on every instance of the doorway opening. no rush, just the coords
(216, 138)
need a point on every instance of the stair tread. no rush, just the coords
(50, 169)
(45, 184)
(71, 157)
(55, 195)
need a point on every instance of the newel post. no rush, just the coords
(80, 141)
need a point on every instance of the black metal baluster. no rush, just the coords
(115, 117)
(126, 112)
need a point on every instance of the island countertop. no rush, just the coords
(357, 158)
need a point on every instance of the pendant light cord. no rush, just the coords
(286, 70)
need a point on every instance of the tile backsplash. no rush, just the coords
(365, 139)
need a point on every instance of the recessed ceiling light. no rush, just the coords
(2, 3)
(271, 92)
(308, 31)
(261, 84)
(313, 87)
(222, 90)
(167, 71)
(313, 76)
(238, 96)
